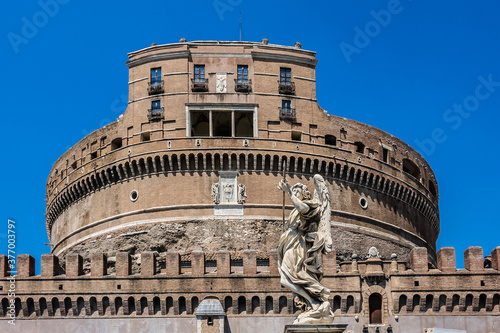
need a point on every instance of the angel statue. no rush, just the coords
(306, 234)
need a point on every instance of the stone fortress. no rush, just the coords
(169, 217)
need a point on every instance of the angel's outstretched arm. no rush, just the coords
(297, 203)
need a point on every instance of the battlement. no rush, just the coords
(247, 283)
(248, 262)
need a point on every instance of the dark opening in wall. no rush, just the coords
(116, 143)
(411, 168)
(385, 155)
(145, 136)
(221, 123)
(93, 155)
(200, 125)
(360, 147)
(74, 165)
(243, 122)
(375, 305)
(330, 140)
(296, 136)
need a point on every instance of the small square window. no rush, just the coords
(199, 73)
(145, 136)
(1, 287)
(417, 283)
(93, 155)
(210, 321)
(296, 136)
(482, 283)
(60, 287)
(119, 286)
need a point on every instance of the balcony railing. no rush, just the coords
(155, 114)
(287, 113)
(286, 88)
(155, 87)
(199, 86)
(240, 86)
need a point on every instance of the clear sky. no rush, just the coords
(425, 71)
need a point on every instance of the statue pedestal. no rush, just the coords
(323, 328)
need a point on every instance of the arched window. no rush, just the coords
(194, 304)
(242, 305)
(182, 305)
(93, 305)
(375, 305)
(255, 305)
(169, 305)
(330, 140)
(116, 143)
(269, 304)
(336, 304)
(283, 304)
(156, 305)
(105, 305)
(42, 302)
(402, 303)
(144, 306)
(228, 304)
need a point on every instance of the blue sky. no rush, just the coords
(425, 71)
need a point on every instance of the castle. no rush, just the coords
(169, 216)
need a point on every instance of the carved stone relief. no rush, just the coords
(221, 83)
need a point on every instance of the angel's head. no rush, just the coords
(301, 191)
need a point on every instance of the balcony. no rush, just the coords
(286, 88)
(287, 113)
(199, 86)
(155, 114)
(155, 88)
(240, 86)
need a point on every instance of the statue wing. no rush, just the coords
(322, 198)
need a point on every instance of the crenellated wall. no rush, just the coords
(247, 283)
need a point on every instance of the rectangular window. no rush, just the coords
(385, 155)
(155, 76)
(145, 136)
(296, 136)
(286, 105)
(221, 123)
(285, 76)
(242, 74)
(199, 73)
(156, 106)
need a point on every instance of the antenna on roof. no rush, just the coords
(240, 26)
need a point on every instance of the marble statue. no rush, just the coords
(215, 193)
(242, 193)
(306, 235)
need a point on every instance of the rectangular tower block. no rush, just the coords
(473, 258)
(50, 265)
(419, 260)
(446, 261)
